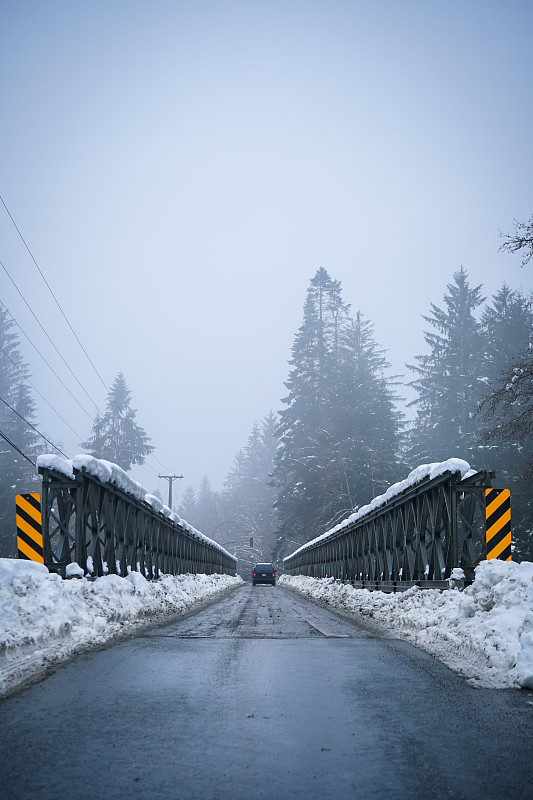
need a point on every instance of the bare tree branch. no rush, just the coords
(522, 239)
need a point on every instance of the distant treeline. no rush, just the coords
(341, 437)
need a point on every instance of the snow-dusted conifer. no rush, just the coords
(339, 432)
(449, 378)
(115, 435)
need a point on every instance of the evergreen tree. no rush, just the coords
(365, 425)
(188, 504)
(339, 435)
(206, 516)
(157, 493)
(507, 409)
(248, 498)
(449, 378)
(17, 474)
(507, 330)
(116, 436)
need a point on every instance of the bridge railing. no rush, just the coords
(105, 529)
(417, 536)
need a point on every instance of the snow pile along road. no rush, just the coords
(484, 632)
(44, 619)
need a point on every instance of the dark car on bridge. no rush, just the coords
(264, 573)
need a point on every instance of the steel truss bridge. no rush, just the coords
(416, 538)
(106, 530)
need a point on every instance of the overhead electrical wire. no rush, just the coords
(47, 363)
(69, 325)
(49, 338)
(14, 410)
(14, 446)
(35, 389)
(54, 446)
(153, 473)
(51, 292)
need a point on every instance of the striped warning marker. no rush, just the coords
(498, 515)
(29, 527)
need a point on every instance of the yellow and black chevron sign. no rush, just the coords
(29, 527)
(498, 514)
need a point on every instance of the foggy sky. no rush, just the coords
(181, 170)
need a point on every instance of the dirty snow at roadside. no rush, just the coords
(44, 620)
(484, 632)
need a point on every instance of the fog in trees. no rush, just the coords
(341, 437)
(19, 443)
(340, 430)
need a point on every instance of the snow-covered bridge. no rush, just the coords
(99, 521)
(432, 527)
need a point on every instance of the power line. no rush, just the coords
(46, 362)
(14, 410)
(49, 338)
(14, 446)
(43, 436)
(69, 325)
(51, 292)
(151, 472)
(35, 389)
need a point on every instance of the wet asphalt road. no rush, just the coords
(264, 694)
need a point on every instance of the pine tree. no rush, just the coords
(449, 378)
(116, 436)
(17, 473)
(339, 435)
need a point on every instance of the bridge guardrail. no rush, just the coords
(415, 537)
(107, 530)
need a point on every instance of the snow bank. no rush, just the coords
(484, 633)
(44, 619)
(416, 476)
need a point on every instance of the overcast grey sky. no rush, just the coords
(181, 169)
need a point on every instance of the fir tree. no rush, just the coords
(339, 435)
(17, 474)
(449, 377)
(188, 505)
(507, 330)
(366, 425)
(303, 427)
(116, 436)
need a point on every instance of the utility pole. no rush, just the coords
(170, 479)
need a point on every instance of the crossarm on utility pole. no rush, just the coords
(170, 479)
